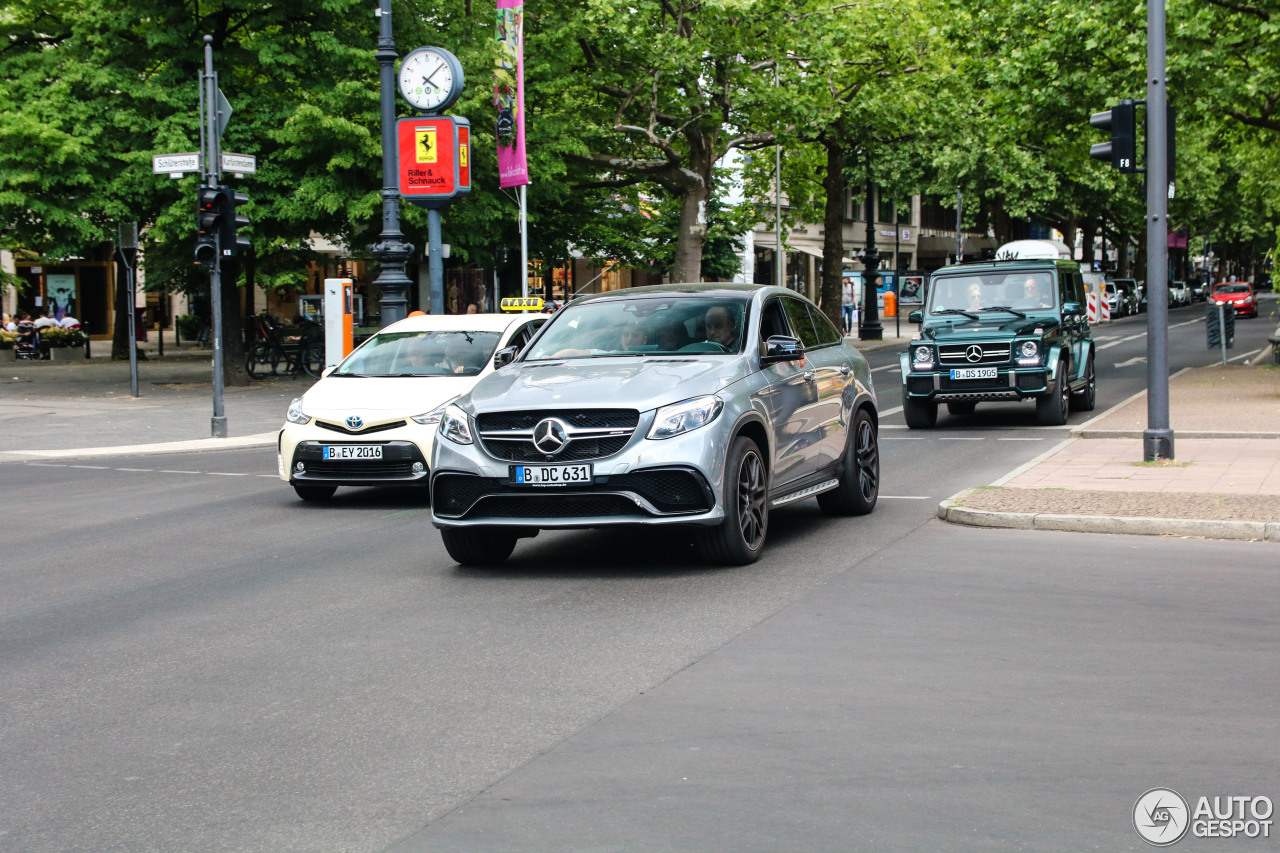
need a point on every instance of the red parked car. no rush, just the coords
(1238, 294)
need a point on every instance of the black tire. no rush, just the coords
(739, 539)
(920, 414)
(314, 493)
(961, 408)
(478, 546)
(1085, 399)
(312, 358)
(1052, 407)
(860, 482)
(261, 358)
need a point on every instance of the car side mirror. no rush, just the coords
(1071, 308)
(782, 348)
(916, 316)
(505, 356)
(328, 370)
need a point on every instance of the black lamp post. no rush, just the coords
(869, 328)
(391, 252)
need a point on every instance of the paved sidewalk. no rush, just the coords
(1224, 480)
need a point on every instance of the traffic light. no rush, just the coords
(233, 222)
(1121, 151)
(210, 205)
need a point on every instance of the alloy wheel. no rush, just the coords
(751, 500)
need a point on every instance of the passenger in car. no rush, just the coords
(634, 338)
(1034, 294)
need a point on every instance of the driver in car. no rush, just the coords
(721, 327)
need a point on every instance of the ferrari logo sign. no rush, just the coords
(432, 159)
(425, 147)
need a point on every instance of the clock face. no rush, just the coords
(429, 80)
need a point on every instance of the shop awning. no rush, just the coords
(818, 254)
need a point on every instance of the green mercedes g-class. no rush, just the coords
(1001, 331)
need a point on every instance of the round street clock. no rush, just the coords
(430, 78)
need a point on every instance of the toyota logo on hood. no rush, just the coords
(550, 436)
(355, 422)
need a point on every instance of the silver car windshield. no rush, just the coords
(452, 353)
(655, 325)
(1021, 291)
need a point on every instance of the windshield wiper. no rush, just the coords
(1004, 308)
(955, 311)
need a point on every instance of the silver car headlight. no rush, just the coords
(922, 355)
(295, 415)
(679, 418)
(433, 416)
(455, 425)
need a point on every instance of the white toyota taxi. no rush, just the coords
(372, 419)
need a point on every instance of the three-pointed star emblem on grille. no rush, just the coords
(550, 436)
(973, 353)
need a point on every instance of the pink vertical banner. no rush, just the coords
(508, 94)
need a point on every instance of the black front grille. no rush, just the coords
(585, 418)
(671, 491)
(992, 353)
(949, 384)
(557, 506)
(513, 450)
(359, 470)
(366, 431)
(668, 489)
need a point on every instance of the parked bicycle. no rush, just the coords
(299, 350)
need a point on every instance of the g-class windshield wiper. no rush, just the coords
(955, 311)
(1003, 308)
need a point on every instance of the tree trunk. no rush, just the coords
(1088, 232)
(833, 184)
(696, 184)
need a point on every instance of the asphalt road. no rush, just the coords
(195, 660)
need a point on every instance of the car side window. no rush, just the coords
(773, 321)
(827, 332)
(801, 323)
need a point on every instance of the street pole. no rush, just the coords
(1157, 439)
(391, 252)
(213, 178)
(127, 240)
(778, 271)
(959, 217)
(869, 328)
(435, 251)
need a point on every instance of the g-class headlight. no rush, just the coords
(679, 418)
(1029, 349)
(455, 425)
(294, 415)
(922, 355)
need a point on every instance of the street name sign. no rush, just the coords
(174, 165)
(240, 164)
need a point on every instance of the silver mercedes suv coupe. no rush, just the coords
(704, 405)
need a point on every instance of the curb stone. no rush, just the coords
(951, 511)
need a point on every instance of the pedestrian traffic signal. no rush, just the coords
(233, 222)
(1121, 151)
(210, 212)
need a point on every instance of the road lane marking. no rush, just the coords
(962, 438)
(886, 367)
(141, 470)
(91, 467)
(906, 497)
(181, 472)
(1029, 438)
(225, 474)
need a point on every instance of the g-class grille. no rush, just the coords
(961, 355)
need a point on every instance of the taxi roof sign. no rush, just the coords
(521, 303)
